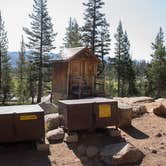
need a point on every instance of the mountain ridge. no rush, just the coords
(14, 55)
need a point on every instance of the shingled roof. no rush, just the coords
(69, 53)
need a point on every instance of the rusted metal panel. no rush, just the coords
(76, 116)
(7, 130)
(88, 114)
(106, 114)
(21, 123)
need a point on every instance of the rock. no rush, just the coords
(162, 147)
(52, 121)
(55, 135)
(49, 107)
(154, 151)
(71, 138)
(142, 99)
(121, 154)
(160, 111)
(150, 106)
(134, 100)
(92, 151)
(138, 110)
(136, 103)
(158, 135)
(125, 115)
(81, 150)
(161, 100)
(113, 132)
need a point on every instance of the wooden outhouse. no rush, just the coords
(74, 73)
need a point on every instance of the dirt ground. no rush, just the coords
(148, 134)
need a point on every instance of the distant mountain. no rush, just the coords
(15, 54)
(14, 58)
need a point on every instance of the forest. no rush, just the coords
(30, 79)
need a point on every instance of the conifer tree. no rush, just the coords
(73, 35)
(157, 71)
(103, 46)
(41, 38)
(128, 72)
(118, 54)
(22, 74)
(5, 68)
(95, 32)
(93, 21)
(31, 78)
(123, 64)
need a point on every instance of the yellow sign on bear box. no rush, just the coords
(28, 117)
(104, 111)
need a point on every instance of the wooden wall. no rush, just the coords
(66, 74)
(59, 80)
(84, 68)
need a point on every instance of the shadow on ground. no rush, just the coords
(22, 154)
(98, 138)
(135, 133)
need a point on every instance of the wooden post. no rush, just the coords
(68, 79)
(93, 85)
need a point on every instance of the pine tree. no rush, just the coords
(103, 44)
(41, 38)
(5, 68)
(93, 21)
(73, 35)
(6, 78)
(118, 55)
(3, 47)
(123, 64)
(157, 70)
(128, 72)
(22, 74)
(31, 78)
(132, 90)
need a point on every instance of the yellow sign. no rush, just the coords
(28, 117)
(104, 111)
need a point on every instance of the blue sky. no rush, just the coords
(140, 18)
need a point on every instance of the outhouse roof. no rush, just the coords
(69, 53)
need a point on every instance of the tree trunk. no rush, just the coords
(32, 102)
(119, 75)
(0, 71)
(118, 85)
(4, 98)
(32, 92)
(40, 75)
(122, 90)
(94, 28)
